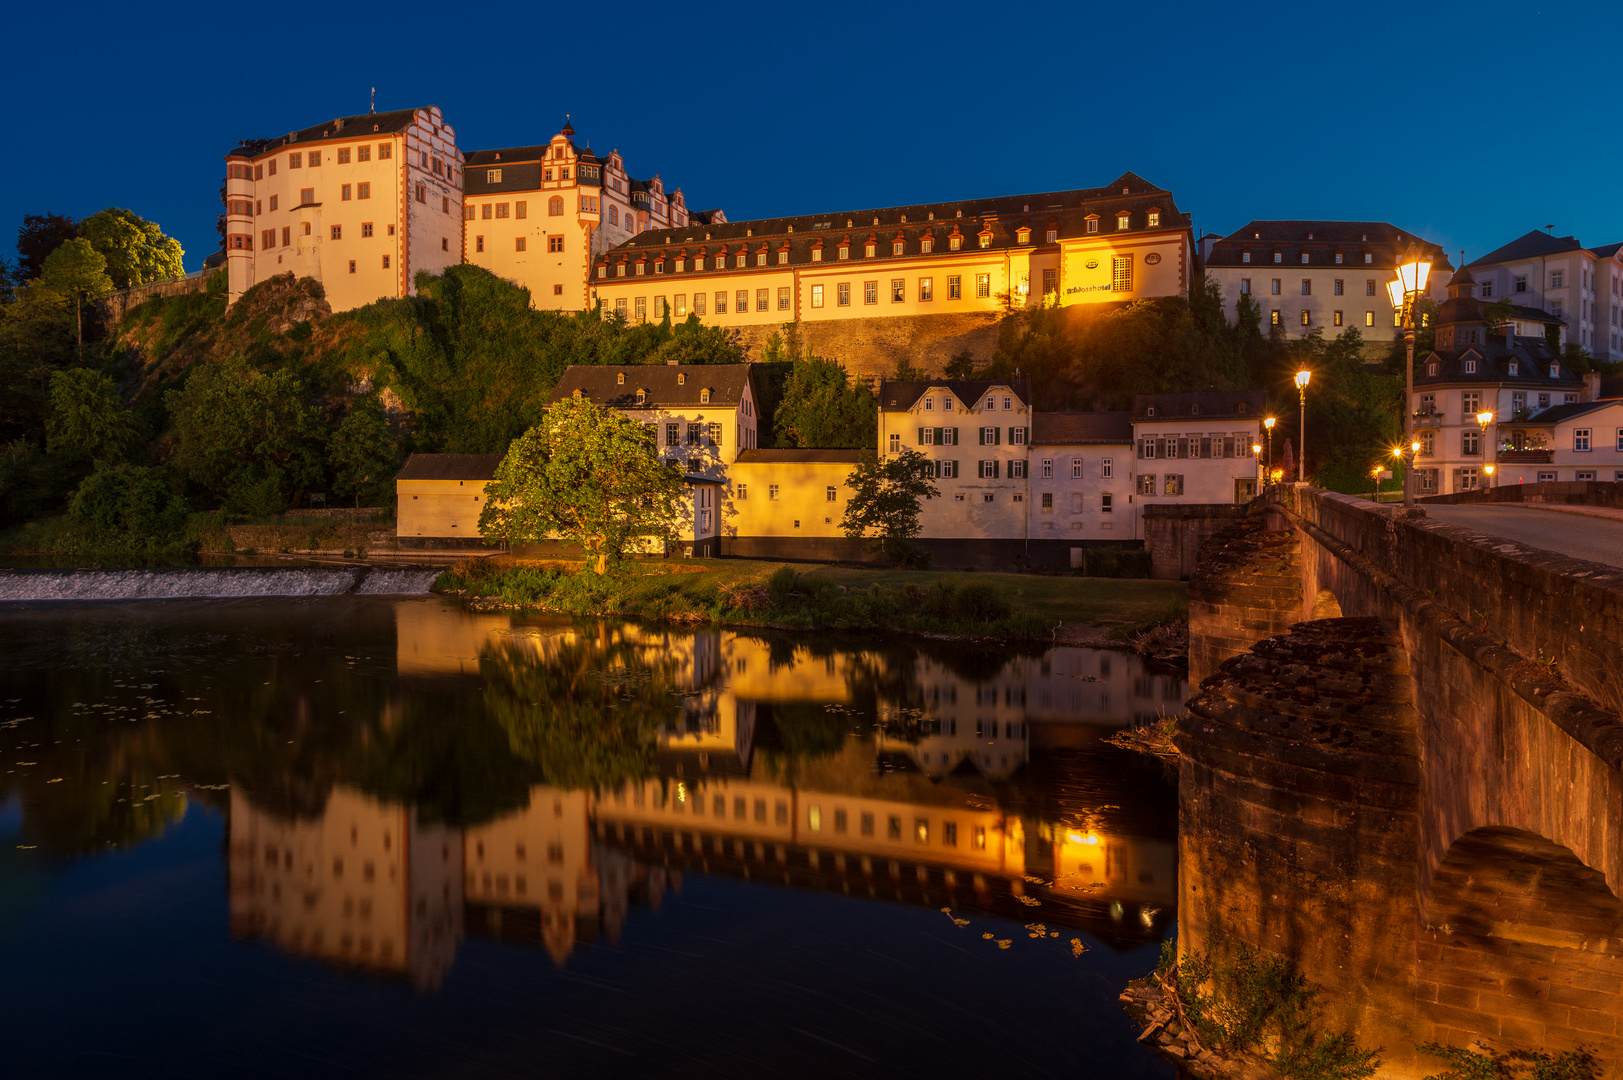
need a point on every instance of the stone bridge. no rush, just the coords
(1403, 769)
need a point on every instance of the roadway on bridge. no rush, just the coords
(1581, 536)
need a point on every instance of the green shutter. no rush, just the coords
(995, 467)
(997, 436)
(955, 468)
(921, 436)
(954, 436)
(938, 436)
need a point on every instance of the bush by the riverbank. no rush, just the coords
(1006, 606)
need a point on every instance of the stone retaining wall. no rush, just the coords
(1173, 535)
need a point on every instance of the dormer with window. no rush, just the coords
(1022, 235)
(760, 256)
(1513, 368)
(1304, 258)
(642, 397)
(1279, 256)
(783, 254)
(955, 242)
(985, 236)
(1245, 256)
(927, 244)
(619, 379)
(1153, 218)
(1555, 370)
(1093, 223)
(681, 378)
(704, 396)
(1194, 410)
(870, 248)
(817, 250)
(1123, 221)
(1338, 258)
(1052, 235)
(1470, 367)
(898, 246)
(845, 247)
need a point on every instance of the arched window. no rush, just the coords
(555, 206)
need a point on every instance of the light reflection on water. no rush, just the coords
(399, 788)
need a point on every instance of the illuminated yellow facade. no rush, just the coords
(359, 203)
(1125, 241)
(538, 215)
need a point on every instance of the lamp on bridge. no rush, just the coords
(1302, 378)
(1406, 291)
(1268, 473)
(1256, 452)
(1489, 470)
(1484, 418)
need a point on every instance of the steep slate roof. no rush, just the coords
(1530, 246)
(901, 396)
(480, 467)
(1606, 251)
(1539, 315)
(1532, 355)
(1064, 211)
(1079, 428)
(1321, 240)
(343, 127)
(726, 383)
(844, 457)
(1214, 404)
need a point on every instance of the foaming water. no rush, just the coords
(200, 583)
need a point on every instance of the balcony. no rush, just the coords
(1526, 457)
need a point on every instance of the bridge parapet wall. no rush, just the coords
(1565, 493)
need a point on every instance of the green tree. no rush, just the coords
(363, 453)
(588, 474)
(78, 271)
(240, 430)
(130, 508)
(885, 501)
(37, 237)
(136, 250)
(821, 407)
(88, 417)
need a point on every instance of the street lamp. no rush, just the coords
(1484, 418)
(1256, 453)
(1302, 378)
(1413, 269)
(1489, 470)
(1268, 474)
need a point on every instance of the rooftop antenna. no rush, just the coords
(1550, 229)
(374, 106)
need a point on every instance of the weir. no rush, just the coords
(215, 583)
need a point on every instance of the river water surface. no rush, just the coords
(368, 836)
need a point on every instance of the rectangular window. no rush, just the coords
(386, 262)
(337, 232)
(273, 202)
(343, 156)
(762, 299)
(1369, 318)
(501, 210)
(1121, 274)
(422, 193)
(1521, 284)
(743, 299)
(1017, 470)
(385, 151)
(363, 191)
(315, 159)
(898, 290)
(783, 298)
(1580, 438)
(287, 235)
(521, 209)
(518, 243)
(698, 303)
(1336, 318)
(983, 286)
(639, 309)
(478, 243)
(817, 296)
(1470, 405)
(295, 161)
(955, 287)
(926, 289)
(1146, 483)
(721, 302)
(1338, 286)
(713, 434)
(1306, 317)
(842, 294)
(1050, 282)
(1276, 286)
(343, 193)
(1470, 443)
(870, 292)
(1174, 484)
(307, 196)
(772, 492)
(555, 244)
(352, 266)
(989, 470)
(1245, 286)
(1307, 286)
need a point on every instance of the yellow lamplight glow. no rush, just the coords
(1302, 378)
(1394, 289)
(1269, 423)
(1488, 469)
(1256, 448)
(1484, 418)
(1414, 269)
(1074, 837)
(1414, 447)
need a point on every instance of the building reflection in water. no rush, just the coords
(883, 774)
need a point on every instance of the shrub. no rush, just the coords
(128, 508)
(980, 602)
(783, 584)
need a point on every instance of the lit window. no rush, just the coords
(1121, 221)
(816, 296)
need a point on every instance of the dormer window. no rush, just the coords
(659, 266)
(620, 379)
(1051, 236)
(681, 264)
(1470, 367)
(642, 397)
(783, 256)
(1338, 258)
(955, 242)
(620, 270)
(1122, 220)
(741, 261)
(1279, 256)
(897, 247)
(681, 378)
(845, 248)
(1245, 256)
(1022, 235)
(1304, 258)
(577, 395)
(704, 396)
(1555, 371)
(1149, 411)
(817, 252)
(1514, 367)
(642, 268)
(985, 239)
(870, 249)
(1431, 369)
(1194, 410)
(1154, 219)
(1241, 409)
(1093, 223)
(760, 258)
(1368, 258)
(927, 245)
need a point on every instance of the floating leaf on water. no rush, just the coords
(1029, 901)
(1004, 943)
(986, 937)
(961, 922)
(1077, 948)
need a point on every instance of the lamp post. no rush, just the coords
(1302, 378)
(1489, 470)
(1256, 452)
(1268, 471)
(1413, 269)
(1484, 418)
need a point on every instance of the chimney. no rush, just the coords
(1591, 390)
(672, 363)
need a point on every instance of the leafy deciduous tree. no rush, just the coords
(88, 416)
(885, 501)
(136, 250)
(239, 428)
(588, 474)
(37, 237)
(821, 407)
(363, 453)
(77, 271)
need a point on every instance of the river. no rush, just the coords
(361, 835)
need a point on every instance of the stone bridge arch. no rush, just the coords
(1338, 771)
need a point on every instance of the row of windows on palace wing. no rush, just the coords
(762, 253)
(521, 208)
(1334, 258)
(343, 155)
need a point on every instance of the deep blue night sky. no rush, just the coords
(1263, 109)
